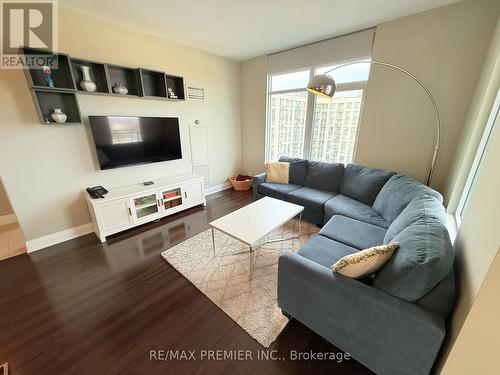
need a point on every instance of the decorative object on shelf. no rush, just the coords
(59, 116)
(170, 194)
(324, 85)
(171, 93)
(118, 88)
(87, 84)
(48, 76)
(241, 182)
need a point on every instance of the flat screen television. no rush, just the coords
(130, 140)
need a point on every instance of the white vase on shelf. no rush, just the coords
(59, 116)
(118, 88)
(87, 84)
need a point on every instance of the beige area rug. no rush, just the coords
(224, 279)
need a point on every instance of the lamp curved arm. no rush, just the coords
(429, 94)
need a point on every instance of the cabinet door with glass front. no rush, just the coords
(171, 198)
(145, 206)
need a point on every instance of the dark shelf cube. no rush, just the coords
(47, 100)
(177, 85)
(128, 77)
(153, 83)
(97, 74)
(61, 76)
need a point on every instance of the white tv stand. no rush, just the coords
(129, 206)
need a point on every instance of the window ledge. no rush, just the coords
(452, 224)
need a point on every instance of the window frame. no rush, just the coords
(310, 107)
(482, 148)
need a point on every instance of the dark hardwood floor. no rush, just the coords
(82, 307)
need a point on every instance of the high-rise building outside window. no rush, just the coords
(303, 125)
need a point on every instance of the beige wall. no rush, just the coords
(253, 113)
(45, 167)
(445, 47)
(476, 350)
(478, 241)
(479, 112)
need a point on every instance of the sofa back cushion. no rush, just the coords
(363, 183)
(397, 193)
(324, 176)
(424, 258)
(298, 168)
(421, 206)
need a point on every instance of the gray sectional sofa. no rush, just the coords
(393, 322)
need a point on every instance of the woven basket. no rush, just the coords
(240, 185)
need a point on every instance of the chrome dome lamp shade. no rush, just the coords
(322, 84)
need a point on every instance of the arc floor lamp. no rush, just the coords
(324, 85)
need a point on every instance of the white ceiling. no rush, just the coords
(241, 29)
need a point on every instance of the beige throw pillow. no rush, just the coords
(365, 262)
(277, 172)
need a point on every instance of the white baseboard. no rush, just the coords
(215, 189)
(58, 237)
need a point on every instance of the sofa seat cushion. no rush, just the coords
(363, 183)
(424, 258)
(345, 206)
(324, 176)
(352, 232)
(298, 169)
(311, 199)
(325, 251)
(421, 206)
(397, 193)
(278, 191)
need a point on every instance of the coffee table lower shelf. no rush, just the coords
(252, 248)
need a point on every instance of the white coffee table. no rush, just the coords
(253, 223)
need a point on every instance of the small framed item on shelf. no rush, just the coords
(48, 76)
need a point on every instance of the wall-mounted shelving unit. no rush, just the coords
(125, 76)
(153, 84)
(98, 74)
(177, 84)
(61, 95)
(140, 83)
(47, 100)
(62, 76)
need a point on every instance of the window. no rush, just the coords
(287, 115)
(300, 124)
(476, 164)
